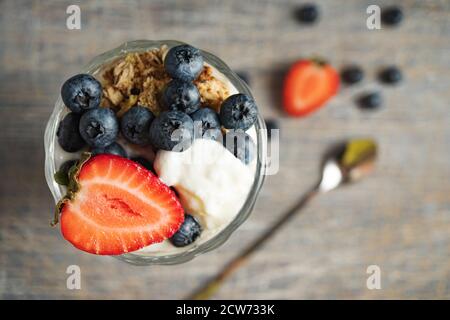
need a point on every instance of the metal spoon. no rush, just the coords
(344, 163)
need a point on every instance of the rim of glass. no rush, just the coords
(143, 45)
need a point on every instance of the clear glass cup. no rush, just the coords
(145, 258)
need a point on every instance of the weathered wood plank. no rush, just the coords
(399, 219)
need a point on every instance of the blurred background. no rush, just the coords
(398, 219)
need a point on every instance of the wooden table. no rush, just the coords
(399, 219)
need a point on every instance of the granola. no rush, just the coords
(212, 90)
(139, 78)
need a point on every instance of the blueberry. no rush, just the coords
(207, 123)
(307, 13)
(238, 111)
(172, 131)
(271, 124)
(181, 96)
(240, 145)
(62, 175)
(184, 62)
(99, 127)
(65, 167)
(392, 15)
(352, 74)
(135, 124)
(81, 92)
(370, 100)
(69, 137)
(244, 76)
(390, 75)
(189, 231)
(113, 148)
(144, 162)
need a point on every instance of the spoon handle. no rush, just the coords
(210, 287)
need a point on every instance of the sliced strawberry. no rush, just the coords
(119, 207)
(308, 85)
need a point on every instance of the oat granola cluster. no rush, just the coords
(212, 91)
(139, 78)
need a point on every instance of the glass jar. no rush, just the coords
(145, 258)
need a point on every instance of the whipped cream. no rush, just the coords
(211, 182)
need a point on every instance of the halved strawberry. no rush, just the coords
(308, 85)
(118, 206)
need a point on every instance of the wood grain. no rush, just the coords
(398, 219)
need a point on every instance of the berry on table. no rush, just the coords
(307, 13)
(99, 127)
(184, 62)
(81, 92)
(189, 231)
(308, 85)
(370, 101)
(392, 15)
(352, 74)
(238, 111)
(135, 124)
(68, 135)
(390, 75)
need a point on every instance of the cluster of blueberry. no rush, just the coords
(353, 74)
(182, 99)
(88, 123)
(309, 13)
(390, 16)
